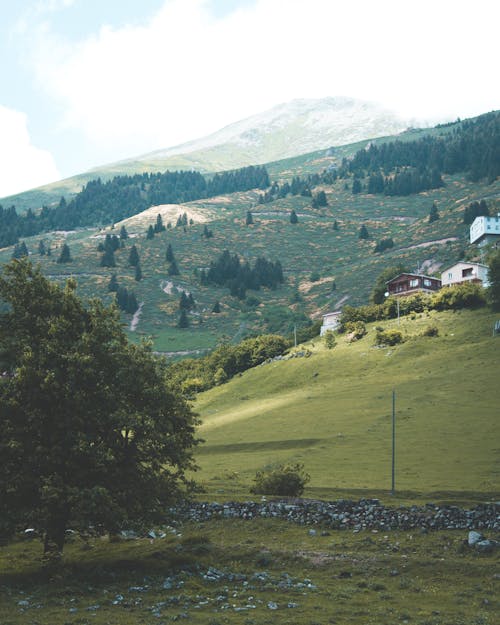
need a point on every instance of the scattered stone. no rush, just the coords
(272, 605)
(474, 537)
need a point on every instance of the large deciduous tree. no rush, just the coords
(91, 432)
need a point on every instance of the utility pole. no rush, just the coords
(393, 482)
(295, 335)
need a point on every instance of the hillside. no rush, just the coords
(331, 410)
(324, 261)
(287, 130)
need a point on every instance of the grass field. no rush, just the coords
(269, 572)
(332, 411)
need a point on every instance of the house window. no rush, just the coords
(414, 282)
(467, 272)
(427, 282)
(450, 276)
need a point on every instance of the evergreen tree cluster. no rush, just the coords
(475, 209)
(230, 272)
(300, 186)
(470, 147)
(126, 300)
(108, 202)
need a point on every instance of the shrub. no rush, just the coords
(355, 329)
(467, 295)
(388, 337)
(287, 480)
(431, 330)
(329, 339)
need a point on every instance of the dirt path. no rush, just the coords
(135, 318)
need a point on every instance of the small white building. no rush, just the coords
(330, 321)
(465, 272)
(485, 230)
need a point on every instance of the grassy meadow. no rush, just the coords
(332, 411)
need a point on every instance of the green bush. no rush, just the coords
(467, 295)
(388, 337)
(431, 330)
(356, 330)
(329, 339)
(287, 480)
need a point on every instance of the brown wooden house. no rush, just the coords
(410, 283)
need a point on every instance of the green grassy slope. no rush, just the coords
(332, 412)
(311, 246)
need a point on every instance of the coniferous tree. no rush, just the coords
(363, 232)
(41, 248)
(65, 255)
(293, 217)
(108, 258)
(133, 257)
(20, 250)
(132, 304)
(159, 227)
(169, 256)
(173, 270)
(138, 273)
(433, 213)
(249, 219)
(123, 233)
(216, 308)
(183, 302)
(151, 233)
(356, 186)
(183, 320)
(335, 225)
(113, 284)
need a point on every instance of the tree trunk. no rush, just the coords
(55, 533)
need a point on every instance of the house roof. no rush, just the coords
(464, 262)
(412, 275)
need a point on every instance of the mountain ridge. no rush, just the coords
(286, 130)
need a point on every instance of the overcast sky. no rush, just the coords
(87, 82)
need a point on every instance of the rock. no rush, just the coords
(272, 605)
(474, 537)
(485, 546)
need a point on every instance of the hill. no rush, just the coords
(287, 130)
(325, 262)
(331, 410)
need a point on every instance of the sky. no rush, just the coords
(89, 82)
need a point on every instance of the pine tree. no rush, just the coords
(216, 308)
(108, 258)
(41, 248)
(356, 186)
(132, 304)
(363, 232)
(183, 302)
(113, 284)
(293, 217)
(335, 225)
(159, 227)
(173, 270)
(138, 273)
(151, 233)
(249, 219)
(133, 257)
(123, 233)
(433, 213)
(20, 250)
(183, 320)
(65, 255)
(169, 256)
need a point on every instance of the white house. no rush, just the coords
(485, 230)
(330, 321)
(465, 272)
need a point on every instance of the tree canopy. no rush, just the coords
(91, 431)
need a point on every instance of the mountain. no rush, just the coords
(287, 130)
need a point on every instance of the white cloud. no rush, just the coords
(187, 73)
(22, 165)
